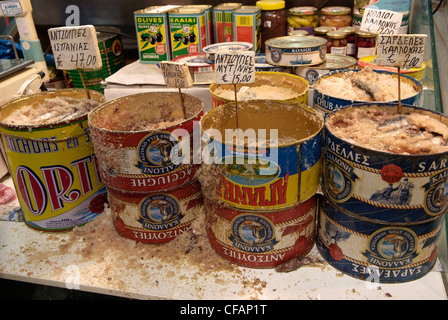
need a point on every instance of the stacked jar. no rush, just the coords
(273, 20)
(303, 18)
(351, 40)
(336, 17)
(337, 42)
(365, 44)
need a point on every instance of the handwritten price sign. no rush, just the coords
(401, 50)
(235, 67)
(75, 47)
(176, 74)
(381, 21)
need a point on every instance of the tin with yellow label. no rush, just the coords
(53, 165)
(277, 162)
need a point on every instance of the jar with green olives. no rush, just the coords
(303, 18)
(337, 42)
(337, 17)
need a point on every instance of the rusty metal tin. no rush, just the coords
(277, 175)
(376, 251)
(145, 159)
(262, 240)
(384, 186)
(155, 217)
(53, 164)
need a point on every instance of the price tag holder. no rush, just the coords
(75, 47)
(401, 50)
(381, 21)
(234, 67)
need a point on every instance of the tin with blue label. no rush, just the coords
(406, 183)
(327, 103)
(376, 251)
(277, 162)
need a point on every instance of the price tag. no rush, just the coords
(233, 67)
(176, 74)
(401, 50)
(381, 21)
(75, 47)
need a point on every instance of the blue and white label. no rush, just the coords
(160, 212)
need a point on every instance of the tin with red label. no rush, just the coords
(246, 26)
(155, 217)
(136, 157)
(222, 21)
(262, 239)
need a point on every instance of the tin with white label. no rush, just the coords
(293, 51)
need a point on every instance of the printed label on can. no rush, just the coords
(384, 186)
(188, 34)
(296, 57)
(265, 239)
(155, 217)
(375, 252)
(57, 180)
(255, 181)
(152, 34)
(247, 29)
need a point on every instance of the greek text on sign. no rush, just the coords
(75, 47)
(235, 67)
(381, 21)
(176, 74)
(401, 50)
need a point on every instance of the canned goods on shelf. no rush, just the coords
(337, 42)
(303, 18)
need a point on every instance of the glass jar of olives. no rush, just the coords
(365, 44)
(351, 40)
(322, 31)
(303, 18)
(337, 42)
(337, 17)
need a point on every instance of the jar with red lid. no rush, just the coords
(273, 20)
(365, 44)
(351, 40)
(337, 42)
(337, 17)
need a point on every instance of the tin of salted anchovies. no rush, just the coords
(399, 188)
(211, 50)
(155, 217)
(291, 51)
(374, 251)
(262, 239)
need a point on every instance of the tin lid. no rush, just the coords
(298, 33)
(294, 42)
(196, 60)
(302, 10)
(336, 34)
(227, 6)
(348, 30)
(336, 61)
(247, 9)
(157, 9)
(211, 50)
(271, 4)
(322, 30)
(365, 34)
(186, 10)
(336, 11)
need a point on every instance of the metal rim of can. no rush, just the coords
(337, 73)
(273, 74)
(290, 42)
(211, 50)
(71, 93)
(335, 62)
(93, 113)
(369, 61)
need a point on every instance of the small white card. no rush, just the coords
(233, 67)
(401, 50)
(176, 74)
(381, 21)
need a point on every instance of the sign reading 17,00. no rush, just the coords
(233, 67)
(75, 47)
